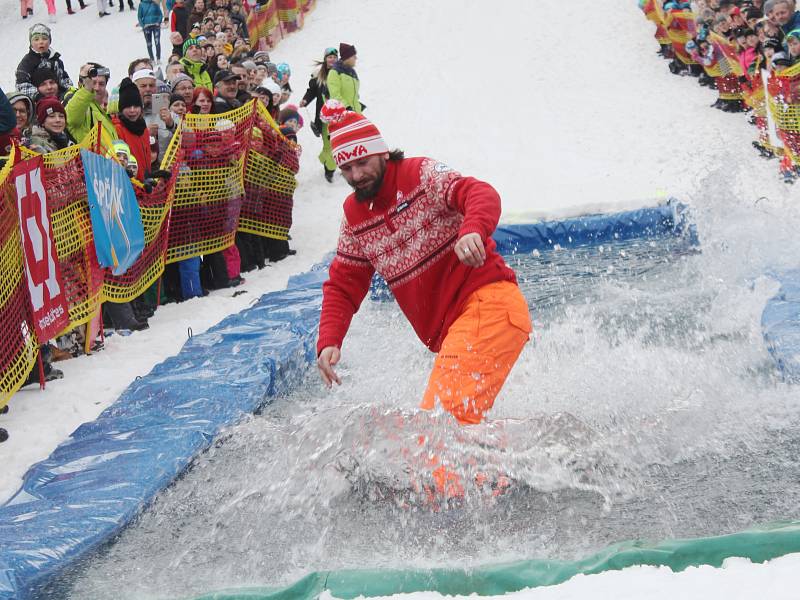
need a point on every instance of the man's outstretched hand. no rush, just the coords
(329, 356)
(470, 251)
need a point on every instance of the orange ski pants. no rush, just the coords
(478, 352)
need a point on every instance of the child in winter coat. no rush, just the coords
(46, 82)
(747, 40)
(290, 122)
(150, 17)
(40, 56)
(793, 46)
(51, 133)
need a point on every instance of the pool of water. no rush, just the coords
(646, 406)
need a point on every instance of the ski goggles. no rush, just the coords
(329, 51)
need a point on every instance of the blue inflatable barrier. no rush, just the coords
(94, 483)
(108, 470)
(780, 323)
(669, 219)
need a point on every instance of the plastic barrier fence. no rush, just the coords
(18, 347)
(269, 23)
(230, 172)
(784, 104)
(108, 470)
(781, 96)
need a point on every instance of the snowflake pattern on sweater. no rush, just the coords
(407, 234)
(421, 228)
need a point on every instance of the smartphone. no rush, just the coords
(160, 101)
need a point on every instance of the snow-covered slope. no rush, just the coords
(564, 107)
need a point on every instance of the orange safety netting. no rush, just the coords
(229, 172)
(18, 344)
(272, 162)
(784, 105)
(235, 172)
(208, 154)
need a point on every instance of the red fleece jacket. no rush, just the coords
(407, 235)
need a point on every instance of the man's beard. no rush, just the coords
(365, 194)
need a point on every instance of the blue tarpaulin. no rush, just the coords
(94, 483)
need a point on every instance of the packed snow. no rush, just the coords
(565, 108)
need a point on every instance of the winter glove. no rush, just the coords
(161, 174)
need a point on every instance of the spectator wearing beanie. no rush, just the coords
(182, 84)
(45, 81)
(22, 110)
(40, 56)
(131, 126)
(194, 63)
(51, 132)
(343, 81)
(290, 122)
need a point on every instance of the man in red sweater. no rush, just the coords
(427, 231)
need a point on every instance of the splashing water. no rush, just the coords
(646, 406)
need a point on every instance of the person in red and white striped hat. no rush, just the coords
(427, 230)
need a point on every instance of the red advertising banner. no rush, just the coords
(50, 312)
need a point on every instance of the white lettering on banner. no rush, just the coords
(109, 197)
(36, 227)
(50, 307)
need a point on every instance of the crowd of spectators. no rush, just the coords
(733, 42)
(209, 67)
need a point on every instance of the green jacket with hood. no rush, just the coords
(343, 86)
(84, 113)
(198, 72)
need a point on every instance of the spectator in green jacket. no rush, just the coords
(84, 107)
(343, 81)
(194, 63)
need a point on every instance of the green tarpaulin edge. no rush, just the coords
(758, 544)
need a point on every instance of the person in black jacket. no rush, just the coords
(227, 84)
(40, 56)
(179, 19)
(318, 90)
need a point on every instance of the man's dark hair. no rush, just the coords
(396, 154)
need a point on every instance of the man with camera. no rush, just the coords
(85, 106)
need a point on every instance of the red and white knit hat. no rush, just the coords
(353, 136)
